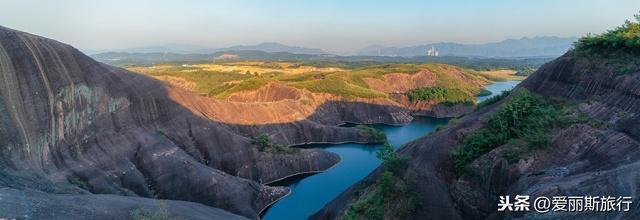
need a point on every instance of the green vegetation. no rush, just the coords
(391, 195)
(623, 38)
(525, 70)
(449, 90)
(336, 85)
(264, 144)
(527, 117)
(484, 92)
(79, 182)
(619, 47)
(221, 80)
(448, 96)
(246, 85)
(391, 161)
(375, 134)
(524, 123)
(492, 100)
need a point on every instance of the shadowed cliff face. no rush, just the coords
(75, 126)
(582, 159)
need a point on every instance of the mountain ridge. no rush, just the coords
(269, 47)
(522, 47)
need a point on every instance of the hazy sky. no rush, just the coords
(336, 25)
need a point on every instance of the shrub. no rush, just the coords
(526, 116)
(391, 161)
(389, 192)
(625, 37)
(492, 100)
(79, 182)
(619, 47)
(262, 141)
(265, 144)
(373, 133)
(448, 96)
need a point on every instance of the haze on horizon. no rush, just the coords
(332, 25)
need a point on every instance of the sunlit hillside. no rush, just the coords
(220, 80)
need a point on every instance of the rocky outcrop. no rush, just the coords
(293, 117)
(29, 204)
(582, 159)
(77, 128)
(431, 108)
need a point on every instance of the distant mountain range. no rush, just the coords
(269, 47)
(523, 47)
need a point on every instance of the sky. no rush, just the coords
(333, 25)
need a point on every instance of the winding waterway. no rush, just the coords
(310, 193)
(497, 88)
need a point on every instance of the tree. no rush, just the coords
(387, 182)
(263, 141)
(390, 159)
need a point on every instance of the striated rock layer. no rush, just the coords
(581, 159)
(75, 128)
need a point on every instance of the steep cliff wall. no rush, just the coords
(581, 159)
(71, 125)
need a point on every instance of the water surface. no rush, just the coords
(497, 88)
(309, 193)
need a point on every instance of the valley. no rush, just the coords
(105, 130)
(309, 194)
(269, 131)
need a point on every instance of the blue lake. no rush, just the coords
(309, 193)
(497, 88)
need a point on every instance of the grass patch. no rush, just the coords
(347, 80)
(253, 83)
(338, 86)
(501, 75)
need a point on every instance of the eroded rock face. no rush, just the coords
(291, 116)
(31, 204)
(581, 159)
(71, 125)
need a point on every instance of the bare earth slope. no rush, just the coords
(581, 159)
(70, 125)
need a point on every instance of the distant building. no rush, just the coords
(226, 56)
(433, 52)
